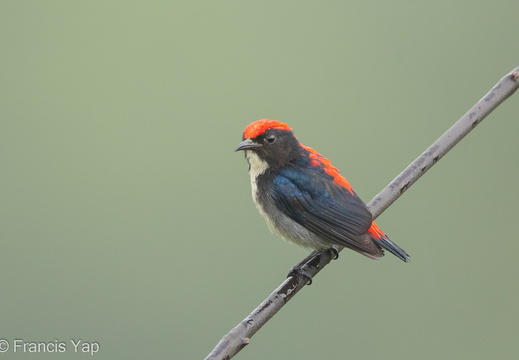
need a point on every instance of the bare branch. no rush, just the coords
(239, 336)
(499, 93)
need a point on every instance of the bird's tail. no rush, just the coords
(383, 241)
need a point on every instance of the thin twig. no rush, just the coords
(239, 336)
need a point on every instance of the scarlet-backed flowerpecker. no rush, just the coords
(304, 198)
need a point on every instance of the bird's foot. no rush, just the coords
(313, 260)
(300, 273)
(335, 252)
(300, 269)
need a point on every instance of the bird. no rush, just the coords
(304, 198)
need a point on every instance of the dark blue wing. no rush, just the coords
(311, 198)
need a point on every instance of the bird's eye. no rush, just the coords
(270, 139)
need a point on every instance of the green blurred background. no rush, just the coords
(126, 218)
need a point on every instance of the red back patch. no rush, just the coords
(331, 170)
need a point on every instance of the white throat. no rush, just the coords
(257, 165)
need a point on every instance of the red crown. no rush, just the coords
(259, 127)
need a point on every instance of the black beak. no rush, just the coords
(247, 144)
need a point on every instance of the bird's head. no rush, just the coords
(271, 141)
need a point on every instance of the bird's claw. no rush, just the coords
(301, 274)
(312, 259)
(335, 252)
